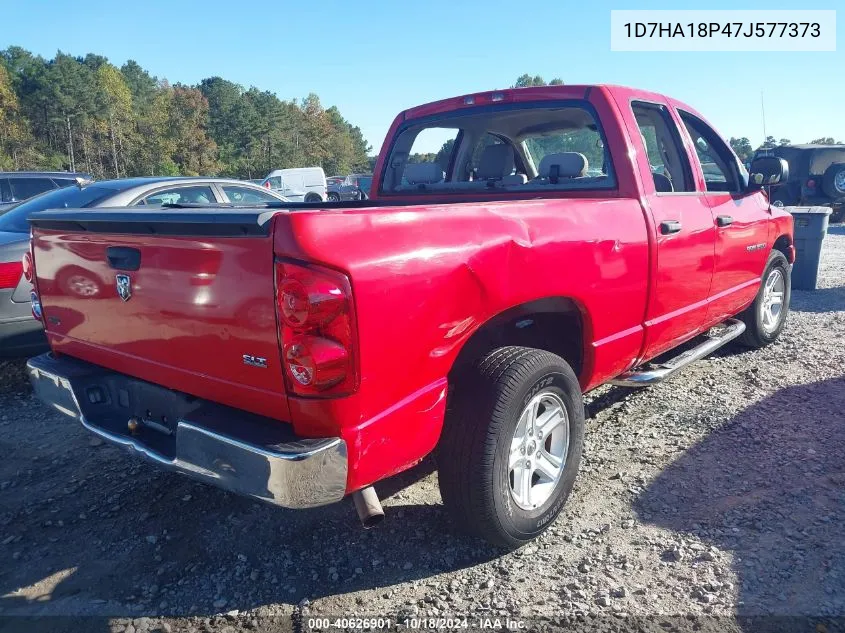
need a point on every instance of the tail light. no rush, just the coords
(28, 270)
(10, 274)
(811, 184)
(316, 330)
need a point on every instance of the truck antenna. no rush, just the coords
(763, 110)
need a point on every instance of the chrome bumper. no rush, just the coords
(228, 448)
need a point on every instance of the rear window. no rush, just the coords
(15, 219)
(535, 148)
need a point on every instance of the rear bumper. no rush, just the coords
(231, 449)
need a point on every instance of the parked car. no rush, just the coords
(467, 309)
(349, 187)
(816, 177)
(19, 331)
(301, 184)
(17, 186)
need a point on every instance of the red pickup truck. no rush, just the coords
(563, 237)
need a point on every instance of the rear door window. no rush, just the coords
(181, 195)
(64, 182)
(23, 188)
(247, 195)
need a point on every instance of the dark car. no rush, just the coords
(816, 177)
(19, 332)
(17, 186)
(349, 187)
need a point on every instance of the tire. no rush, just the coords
(333, 197)
(313, 197)
(760, 330)
(475, 457)
(833, 181)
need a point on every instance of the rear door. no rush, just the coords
(685, 234)
(740, 219)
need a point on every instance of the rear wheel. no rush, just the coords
(333, 197)
(766, 317)
(313, 197)
(511, 445)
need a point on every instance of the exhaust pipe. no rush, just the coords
(368, 506)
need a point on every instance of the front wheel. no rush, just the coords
(766, 317)
(333, 197)
(511, 445)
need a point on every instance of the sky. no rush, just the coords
(373, 59)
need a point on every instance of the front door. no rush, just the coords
(740, 218)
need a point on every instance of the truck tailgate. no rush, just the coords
(182, 298)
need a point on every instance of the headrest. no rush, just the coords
(662, 184)
(423, 173)
(514, 179)
(496, 161)
(569, 165)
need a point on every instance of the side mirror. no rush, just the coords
(766, 171)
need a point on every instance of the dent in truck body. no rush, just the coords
(422, 295)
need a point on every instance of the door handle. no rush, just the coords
(123, 257)
(667, 227)
(724, 220)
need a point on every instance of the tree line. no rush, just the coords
(86, 114)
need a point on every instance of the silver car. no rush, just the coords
(19, 332)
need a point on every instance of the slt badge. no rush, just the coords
(124, 286)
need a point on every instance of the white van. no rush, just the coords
(301, 184)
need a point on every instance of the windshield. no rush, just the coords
(15, 219)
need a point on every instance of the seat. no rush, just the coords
(662, 184)
(495, 163)
(564, 165)
(418, 175)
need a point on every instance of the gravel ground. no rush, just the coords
(719, 493)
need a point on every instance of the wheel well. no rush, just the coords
(783, 244)
(552, 324)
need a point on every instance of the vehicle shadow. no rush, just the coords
(769, 487)
(819, 300)
(135, 541)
